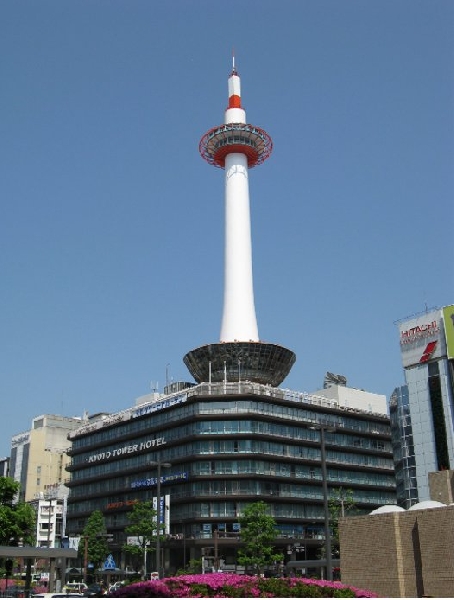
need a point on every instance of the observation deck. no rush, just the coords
(246, 139)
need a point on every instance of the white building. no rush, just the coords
(352, 398)
(51, 518)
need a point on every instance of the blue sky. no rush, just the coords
(111, 224)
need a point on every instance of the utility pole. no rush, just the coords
(323, 428)
(159, 465)
(216, 550)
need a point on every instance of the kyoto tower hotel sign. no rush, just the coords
(237, 146)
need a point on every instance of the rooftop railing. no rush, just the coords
(227, 388)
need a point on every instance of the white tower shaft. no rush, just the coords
(239, 321)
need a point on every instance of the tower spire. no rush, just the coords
(235, 95)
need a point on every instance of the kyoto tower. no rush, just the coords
(237, 146)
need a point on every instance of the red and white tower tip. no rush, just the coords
(235, 136)
(237, 146)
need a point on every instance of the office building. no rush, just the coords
(4, 466)
(51, 517)
(38, 463)
(403, 448)
(228, 444)
(38, 456)
(422, 410)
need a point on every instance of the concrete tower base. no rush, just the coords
(268, 364)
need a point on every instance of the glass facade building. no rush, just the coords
(403, 448)
(422, 412)
(228, 445)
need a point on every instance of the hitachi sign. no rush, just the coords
(418, 332)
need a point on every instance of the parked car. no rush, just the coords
(14, 591)
(75, 586)
(57, 595)
(95, 590)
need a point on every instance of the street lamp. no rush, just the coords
(323, 428)
(159, 465)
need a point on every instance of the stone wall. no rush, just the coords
(405, 554)
(441, 486)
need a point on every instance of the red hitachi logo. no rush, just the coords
(430, 349)
(418, 332)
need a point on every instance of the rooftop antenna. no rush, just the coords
(233, 62)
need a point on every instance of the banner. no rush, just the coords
(448, 318)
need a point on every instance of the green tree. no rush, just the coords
(142, 525)
(340, 504)
(192, 568)
(17, 519)
(95, 539)
(258, 532)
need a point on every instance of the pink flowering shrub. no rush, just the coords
(227, 585)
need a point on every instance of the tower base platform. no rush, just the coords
(268, 364)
